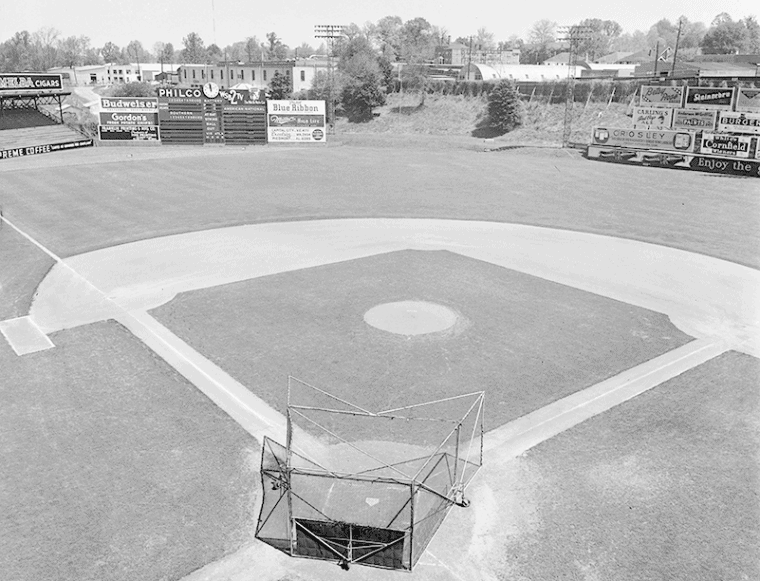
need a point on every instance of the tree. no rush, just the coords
(725, 36)
(110, 52)
(276, 49)
(303, 50)
(543, 32)
(139, 89)
(386, 36)
(16, 53)
(361, 79)
(505, 109)
(71, 51)
(417, 41)
(752, 36)
(213, 53)
(484, 40)
(630, 42)
(602, 35)
(280, 87)
(135, 53)
(195, 49)
(45, 53)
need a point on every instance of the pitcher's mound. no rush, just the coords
(411, 317)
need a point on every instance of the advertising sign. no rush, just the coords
(644, 138)
(38, 149)
(726, 145)
(296, 121)
(694, 119)
(652, 117)
(123, 133)
(128, 104)
(29, 82)
(656, 96)
(737, 122)
(677, 161)
(709, 97)
(747, 99)
(128, 118)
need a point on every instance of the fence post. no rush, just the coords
(612, 95)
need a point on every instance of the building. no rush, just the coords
(258, 75)
(517, 73)
(107, 74)
(457, 54)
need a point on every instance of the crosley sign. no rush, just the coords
(644, 139)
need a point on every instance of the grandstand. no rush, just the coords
(31, 116)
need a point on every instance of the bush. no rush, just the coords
(133, 90)
(505, 109)
(280, 87)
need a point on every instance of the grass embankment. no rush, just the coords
(661, 487)
(114, 467)
(22, 267)
(527, 342)
(459, 115)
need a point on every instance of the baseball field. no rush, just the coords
(154, 302)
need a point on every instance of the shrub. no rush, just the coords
(505, 109)
(133, 90)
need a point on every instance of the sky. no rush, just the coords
(226, 21)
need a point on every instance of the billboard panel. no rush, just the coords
(128, 118)
(29, 82)
(644, 139)
(709, 97)
(726, 145)
(296, 122)
(128, 104)
(122, 133)
(737, 122)
(694, 119)
(652, 117)
(656, 96)
(747, 99)
(677, 161)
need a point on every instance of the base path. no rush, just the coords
(713, 300)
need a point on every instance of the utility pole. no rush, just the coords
(675, 52)
(574, 35)
(330, 32)
(656, 57)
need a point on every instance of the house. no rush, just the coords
(107, 74)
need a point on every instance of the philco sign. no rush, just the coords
(644, 139)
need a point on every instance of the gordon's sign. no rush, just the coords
(29, 82)
(644, 138)
(128, 118)
(656, 96)
(737, 122)
(726, 145)
(709, 97)
(695, 119)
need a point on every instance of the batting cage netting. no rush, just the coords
(355, 486)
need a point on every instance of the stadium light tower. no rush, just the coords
(330, 32)
(574, 35)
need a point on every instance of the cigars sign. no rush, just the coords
(29, 82)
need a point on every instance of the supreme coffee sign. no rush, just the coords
(709, 97)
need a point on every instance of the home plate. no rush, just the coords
(24, 336)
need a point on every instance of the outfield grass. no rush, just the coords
(527, 342)
(22, 267)
(662, 487)
(114, 467)
(78, 208)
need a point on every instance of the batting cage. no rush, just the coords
(355, 486)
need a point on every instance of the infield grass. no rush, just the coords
(114, 467)
(662, 487)
(526, 341)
